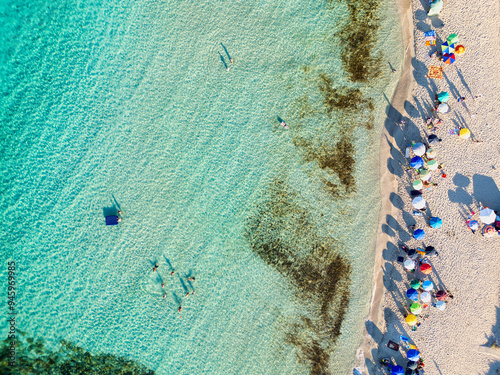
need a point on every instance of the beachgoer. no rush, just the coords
(461, 99)
(191, 278)
(282, 123)
(473, 115)
(165, 295)
(180, 308)
(228, 68)
(477, 96)
(187, 294)
(193, 292)
(154, 269)
(231, 61)
(393, 70)
(172, 273)
(162, 285)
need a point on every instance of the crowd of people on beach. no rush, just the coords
(425, 173)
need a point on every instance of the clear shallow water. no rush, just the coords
(129, 103)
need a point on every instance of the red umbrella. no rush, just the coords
(426, 268)
(448, 58)
(441, 295)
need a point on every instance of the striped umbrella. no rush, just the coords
(426, 268)
(449, 58)
(415, 284)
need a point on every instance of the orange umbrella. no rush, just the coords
(459, 49)
(426, 268)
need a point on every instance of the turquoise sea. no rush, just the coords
(127, 105)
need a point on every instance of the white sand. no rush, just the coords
(457, 340)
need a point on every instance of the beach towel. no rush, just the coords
(430, 38)
(435, 72)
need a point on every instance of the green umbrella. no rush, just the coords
(425, 175)
(415, 308)
(415, 284)
(452, 39)
(432, 165)
(417, 185)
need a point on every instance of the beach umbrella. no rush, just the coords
(473, 224)
(432, 165)
(397, 370)
(443, 97)
(415, 308)
(433, 139)
(417, 185)
(419, 149)
(435, 222)
(417, 162)
(410, 371)
(413, 355)
(441, 295)
(412, 294)
(425, 174)
(411, 320)
(447, 47)
(425, 297)
(409, 264)
(427, 285)
(459, 49)
(426, 268)
(430, 251)
(419, 234)
(443, 108)
(487, 215)
(415, 284)
(452, 38)
(449, 58)
(441, 305)
(489, 231)
(418, 203)
(464, 133)
(431, 154)
(412, 365)
(412, 254)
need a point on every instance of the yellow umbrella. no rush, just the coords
(459, 49)
(411, 319)
(431, 154)
(432, 165)
(464, 133)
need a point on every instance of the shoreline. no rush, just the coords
(388, 181)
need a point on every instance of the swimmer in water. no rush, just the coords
(172, 273)
(187, 294)
(282, 123)
(156, 267)
(162, 285)
(232, 61)
(191, 278)
(165, 295)
(180, 308)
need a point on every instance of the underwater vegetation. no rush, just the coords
(358, 39)
(283, 234)
(33, 357)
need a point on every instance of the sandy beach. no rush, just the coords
(457, 340)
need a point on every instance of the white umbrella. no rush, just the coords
(409, 264)
(419, 149)
(418, 203)
(425, 174)
(441, 305)
(425, 297)
(443, 108)
(487, 216)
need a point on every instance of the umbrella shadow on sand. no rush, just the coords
(486, 191)
(460, 194)
(394, 329)
(439, 284)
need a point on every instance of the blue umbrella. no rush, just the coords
(435, 222)
(419, 234)
(413, 355)
(412, 294)
(417, 162)
(443, 97)
(427, 285)
(397, 370)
